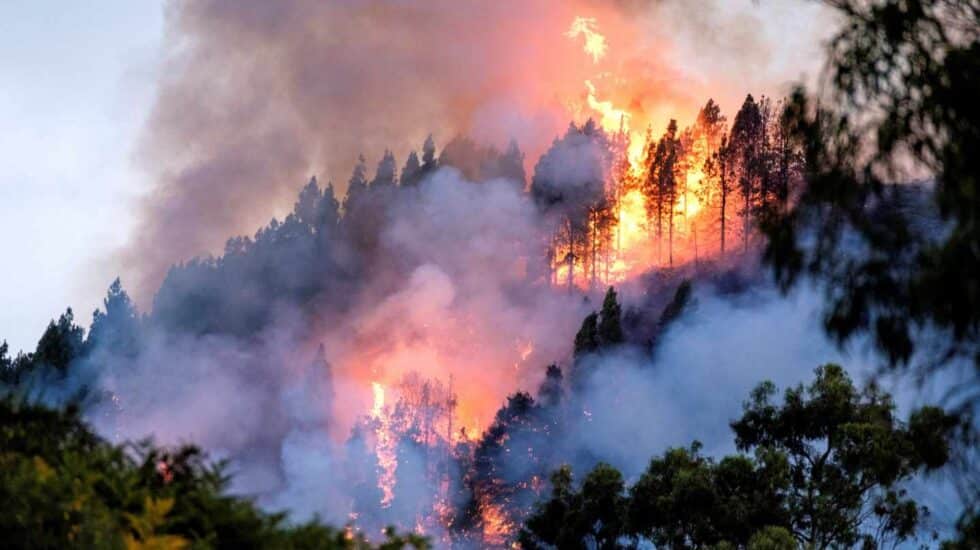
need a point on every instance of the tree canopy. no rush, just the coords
(63, 486)
(825, 468)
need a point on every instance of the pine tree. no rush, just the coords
(610, 329)
(116, 330)
(429, 163)
(385, 174)
(587, 338)
(61, 343)
(512, 165)
(722, 161)
(328, 210)
(307, 203)
(357, 185)
(745, 143)
(411, 172)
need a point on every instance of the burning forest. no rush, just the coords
(519, 304)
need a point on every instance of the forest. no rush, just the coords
(445, 355)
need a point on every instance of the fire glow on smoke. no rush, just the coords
(631, 247)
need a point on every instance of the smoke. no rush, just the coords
(255, 96)
(704, 367)
(437, 279)
(442, 292)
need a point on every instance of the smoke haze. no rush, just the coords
(256, 96)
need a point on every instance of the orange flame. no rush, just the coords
(595, 44)
(385, 446)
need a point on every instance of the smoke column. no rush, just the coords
(256, 96)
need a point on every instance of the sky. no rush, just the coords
(76, 82)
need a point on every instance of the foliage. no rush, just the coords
(903, 78)
(60, 343)
(826, 471)
(63, 486)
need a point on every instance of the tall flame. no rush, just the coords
(612, 119)
(635, 242)
(385, 446)
(595, 44)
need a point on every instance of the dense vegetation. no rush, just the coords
(825, 467)
(64, 486)
(825, 471)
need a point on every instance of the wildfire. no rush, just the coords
(526, 350)
(387, 457)
(595, 44)
(634, 239)
(611, 118)
(626, 233)
(497, 524)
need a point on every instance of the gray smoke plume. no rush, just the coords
(255, 96)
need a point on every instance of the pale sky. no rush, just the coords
(76, 82)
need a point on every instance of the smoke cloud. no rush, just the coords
(255, 96)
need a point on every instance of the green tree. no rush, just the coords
(902, 92)
(848, 455)
(772, 538)
(64, 487)
(826, 471)
(592, 517)
(60, 344)
(13, 369)
(117, 329)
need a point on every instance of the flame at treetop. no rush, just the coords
(595, 43)
(631, 242)
(421, 329)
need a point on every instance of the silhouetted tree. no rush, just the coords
(429, 164)
(356, 185)
(65, 487)
(115, 331)
(745, 144)
(308, 203)
(587, 337)
(411, 172)
(385, 175)
(550, 392)
(660, 188)
(13, 369)
(327, 212)
(610, 328)
(899, 104)
(60, 344)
